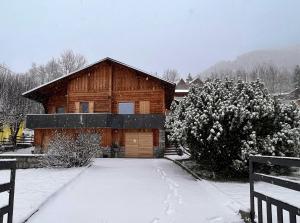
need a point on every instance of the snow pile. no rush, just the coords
(224, 122)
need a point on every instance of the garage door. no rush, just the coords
(131, 144)
(139, 144)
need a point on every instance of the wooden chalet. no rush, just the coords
(182, 88)
(127, 106)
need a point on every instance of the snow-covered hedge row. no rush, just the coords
(224, 122)
(64, 151)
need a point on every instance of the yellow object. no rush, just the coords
(5, 131)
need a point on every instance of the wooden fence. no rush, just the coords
(22, 141)
(9, 164)
(280, 205)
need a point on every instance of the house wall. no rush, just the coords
(43, 136)
(131, 86)
(118, 135)
(92, 86)
(108, 136)
(105, 86)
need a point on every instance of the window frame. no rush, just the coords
(80, 107)
(60, 107)
(132, 102)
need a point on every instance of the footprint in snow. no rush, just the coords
(215, 219)
(168, 198)
(169, 209)
(179, 200)
(155, 220)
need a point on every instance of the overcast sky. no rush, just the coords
(189, 35)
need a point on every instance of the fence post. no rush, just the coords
(251, 170)
(11, 194)
(8, 164)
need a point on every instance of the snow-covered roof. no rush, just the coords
(178, 98)
(88, 66)
(181, 90)
(181, 84)
(196, 81)
(293, 95)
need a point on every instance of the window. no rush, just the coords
(126, 108)
(60, 110)
(84, 107)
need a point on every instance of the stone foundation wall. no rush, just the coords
(24, 161)
(108, 153)
(158, 152)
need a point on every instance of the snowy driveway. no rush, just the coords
(137, 191)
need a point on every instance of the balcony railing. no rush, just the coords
(95, 120)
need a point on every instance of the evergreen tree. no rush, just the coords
(189, 78)
(297, 76)
(224, 122)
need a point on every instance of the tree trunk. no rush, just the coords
(14, 133)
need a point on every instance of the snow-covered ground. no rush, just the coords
(131, 190)
(137, 191)
(35, 186)
(240, 193)
(20, 151)
(177, 157)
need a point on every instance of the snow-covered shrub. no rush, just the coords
(224, 122)
(65, 151)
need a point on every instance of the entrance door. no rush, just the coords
(139, 144)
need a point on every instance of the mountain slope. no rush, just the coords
(287, 58)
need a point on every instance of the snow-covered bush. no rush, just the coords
(65, 151)
(224, 122)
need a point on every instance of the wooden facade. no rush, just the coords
(105, 87)
(101, 88)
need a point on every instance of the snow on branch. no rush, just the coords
(65, 151)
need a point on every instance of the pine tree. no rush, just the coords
(189, 78)
(224, 122)
(297, 76)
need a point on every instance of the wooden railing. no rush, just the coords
(25, 140)
(95, 120)
(21, 141)
(280, 205)
(9, 164)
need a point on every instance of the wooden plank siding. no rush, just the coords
(118, 135)
(108, 136)
(106, 86)
(139, 144)
(144, 107)
(43, 136)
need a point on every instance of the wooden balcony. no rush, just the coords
(95, 120)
